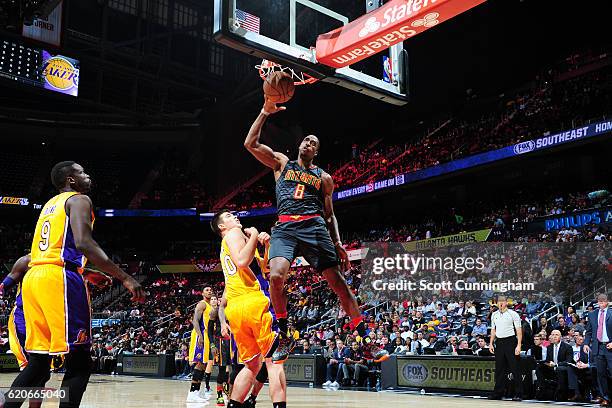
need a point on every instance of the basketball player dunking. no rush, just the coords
(304, 205)
(199, 349)
(55, 300)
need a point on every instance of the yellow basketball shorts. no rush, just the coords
(251, 322)
(199, 354)
(17, 334)
(56, 309)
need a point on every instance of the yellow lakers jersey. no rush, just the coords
(53, 242)
(240, 281)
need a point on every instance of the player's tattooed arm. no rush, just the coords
(332, 222)
(241, 251)
(18, 271)
(264, 153)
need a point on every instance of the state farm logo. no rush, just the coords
(524, 147)
(371, 25)
(428, 21)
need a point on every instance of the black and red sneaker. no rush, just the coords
(373, 352)
(284, 348)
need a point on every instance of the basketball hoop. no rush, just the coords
(299, 78)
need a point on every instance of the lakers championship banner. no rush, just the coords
(448, 240)
(469, 374)
(14, 201)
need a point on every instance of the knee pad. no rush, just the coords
(235, 370)
(262, 375)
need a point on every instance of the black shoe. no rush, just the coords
(517, 398)
(495, 397)
(284, 348)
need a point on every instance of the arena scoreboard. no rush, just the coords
(39, 68)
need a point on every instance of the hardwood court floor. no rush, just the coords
(106, 391)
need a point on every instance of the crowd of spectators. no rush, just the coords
(548, 107)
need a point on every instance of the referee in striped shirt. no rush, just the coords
(506, 335)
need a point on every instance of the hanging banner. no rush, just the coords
(48, 30)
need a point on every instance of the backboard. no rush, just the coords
(286, 32)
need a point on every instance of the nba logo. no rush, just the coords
(387, 69)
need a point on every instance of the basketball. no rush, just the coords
(279, 87)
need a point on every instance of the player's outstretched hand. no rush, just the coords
(97, 279)
(345, 263)
(138, 294)
(270, 107)
(264, 238)
(250, 231)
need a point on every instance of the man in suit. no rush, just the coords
(558, 357)
(598, 341)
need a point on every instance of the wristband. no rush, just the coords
(263, 112)
(8, 282)
(338, 243)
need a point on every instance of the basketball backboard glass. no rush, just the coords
(286, 32)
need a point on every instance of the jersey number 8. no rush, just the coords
(45, 232)
(299, 191)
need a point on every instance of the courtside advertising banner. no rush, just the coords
(472, 374)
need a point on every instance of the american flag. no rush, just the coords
(247, 21)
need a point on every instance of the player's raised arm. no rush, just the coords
(79, 208)
(331, 221)
(18, 271)
(242, 252)
(275, 160)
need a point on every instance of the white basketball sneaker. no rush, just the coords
(194, 396)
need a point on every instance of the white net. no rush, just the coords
(299, 78)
